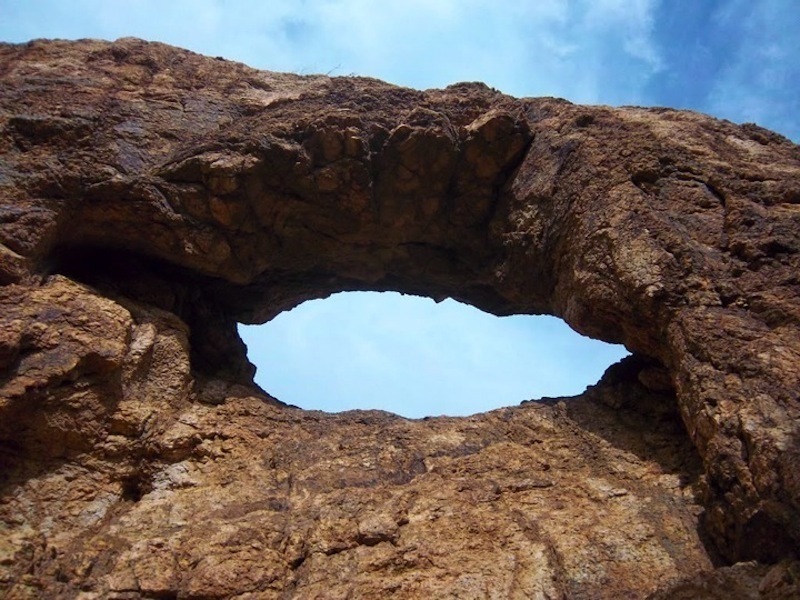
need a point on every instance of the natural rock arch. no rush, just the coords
(207, 190)
(417, 358)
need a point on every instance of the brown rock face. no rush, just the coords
(150, 198)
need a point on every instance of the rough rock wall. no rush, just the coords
(150, 198)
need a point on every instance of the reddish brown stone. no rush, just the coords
(150, 198)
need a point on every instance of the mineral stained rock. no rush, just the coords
(151, 198)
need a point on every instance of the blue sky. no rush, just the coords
(735, 59)
(414, 357)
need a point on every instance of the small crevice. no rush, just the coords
(297, 562)
(133, 489)
(715, 191)
(646, 180)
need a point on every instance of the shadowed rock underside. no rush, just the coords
(151, 198)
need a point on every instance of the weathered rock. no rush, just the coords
(150, 198)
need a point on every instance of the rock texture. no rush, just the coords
(150, 198)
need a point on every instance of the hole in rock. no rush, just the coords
(132, 489)
(413, 357)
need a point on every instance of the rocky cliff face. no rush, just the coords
(150, 198)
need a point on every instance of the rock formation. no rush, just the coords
(151, 198)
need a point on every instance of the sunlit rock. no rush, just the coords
(152, 198)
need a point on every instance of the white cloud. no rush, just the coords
(759, 83)
(632, 24)
(580, 49)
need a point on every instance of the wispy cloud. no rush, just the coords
(759, 82)
(561, 48)
(578, 49)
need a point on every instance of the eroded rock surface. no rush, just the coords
(150, 198)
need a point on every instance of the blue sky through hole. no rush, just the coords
(413, 357)
(734, 59)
